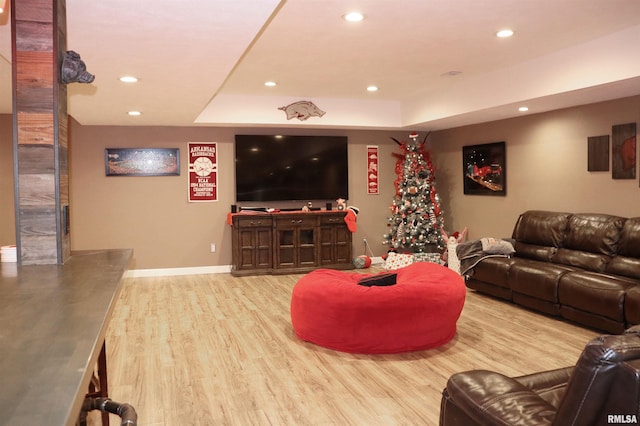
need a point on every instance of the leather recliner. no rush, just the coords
(602, 388)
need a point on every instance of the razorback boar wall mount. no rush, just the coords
(302, 110)
(74, 70)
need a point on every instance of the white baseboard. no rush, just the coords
(222, 269)
(167, 272)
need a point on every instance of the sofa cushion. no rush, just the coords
(627, 261)
(590, 241)
(595, 233)
(596, 293)
(581, 259)
(538, 233)
(625, 266)
(632, 305)
(534, 251)
(537, 279)
(629, 244)
(541, 228)
(493, 270)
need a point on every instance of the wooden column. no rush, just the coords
(40, 131)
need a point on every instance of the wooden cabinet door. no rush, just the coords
(252, 245)
(335, 241)
(295, 242)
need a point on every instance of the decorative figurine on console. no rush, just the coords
(342, 203)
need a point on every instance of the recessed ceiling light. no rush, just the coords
(523, 109)
(128, 79)
(134, 113)
(353, 17)
(372, 89)
(504, 33)
(270, 83)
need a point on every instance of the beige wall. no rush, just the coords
(7, 212)
(152, 214)
(546, 168)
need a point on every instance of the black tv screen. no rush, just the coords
(283, 168)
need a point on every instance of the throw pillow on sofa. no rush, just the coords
(496, 246)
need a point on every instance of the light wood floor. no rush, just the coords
(219, 350)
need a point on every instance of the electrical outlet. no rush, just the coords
(213, 248)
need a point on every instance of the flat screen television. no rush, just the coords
(290, 168)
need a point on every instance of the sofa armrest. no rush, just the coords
(490, 398)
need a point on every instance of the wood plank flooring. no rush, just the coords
(220, 350)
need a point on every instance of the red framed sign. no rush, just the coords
(203, 171)
(372, 169)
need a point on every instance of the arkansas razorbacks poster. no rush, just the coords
(203, 171)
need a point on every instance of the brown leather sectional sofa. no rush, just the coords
(603, 388)
(584, 268)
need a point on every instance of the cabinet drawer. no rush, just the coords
(331, 219)
(297, 220)
(252, 222)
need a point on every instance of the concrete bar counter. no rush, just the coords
(53, 320)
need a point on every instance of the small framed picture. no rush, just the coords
(142, 161)
(484, 169)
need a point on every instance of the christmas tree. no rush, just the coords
(416, 218)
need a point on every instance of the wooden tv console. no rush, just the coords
(289, 242)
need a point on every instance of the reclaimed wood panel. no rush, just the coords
(37, 190)
(35, 128)
(35, 68)
(38, 235)
(35, 36)
(41, 120)
(34, 10)
(35, 159)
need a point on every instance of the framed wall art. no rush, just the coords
(203, 171)
(623, 150)
(142, 161)
(484, 169)
(598, 153)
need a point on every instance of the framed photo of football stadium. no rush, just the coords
(142, 161)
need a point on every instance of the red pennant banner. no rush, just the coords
(372, 169)
(203, 171)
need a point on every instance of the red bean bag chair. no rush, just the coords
(419, 311)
